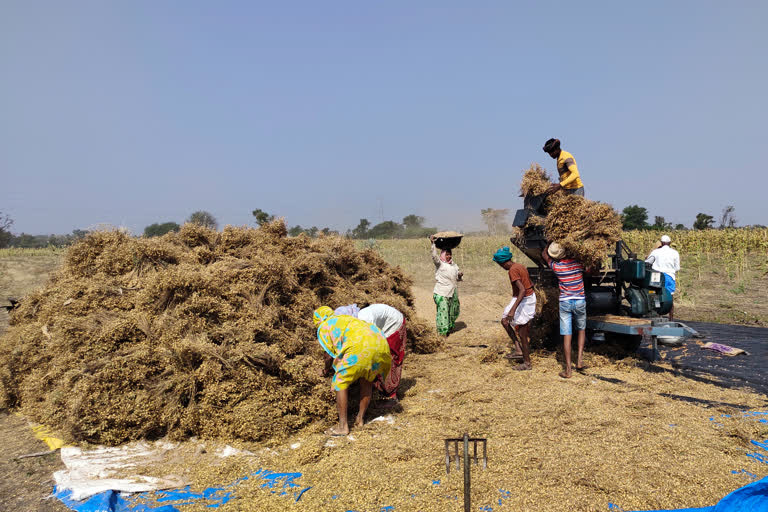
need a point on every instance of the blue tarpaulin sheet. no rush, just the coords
(750, 498)
(281, 484)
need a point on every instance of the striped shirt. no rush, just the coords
(570, 276)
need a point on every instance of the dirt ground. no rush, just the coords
(24, 484)
(627, 432)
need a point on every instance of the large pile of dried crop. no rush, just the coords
(196, 333)
(588, 230)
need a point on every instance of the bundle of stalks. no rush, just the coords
(535, 181)
(542, 332)
(586, 229)
(195, 333)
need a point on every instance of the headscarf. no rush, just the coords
(502, 255)
(444, 255)
(321, 314)
(351, 310)
(551, 145)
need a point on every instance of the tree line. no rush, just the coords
(633, 217)
(636, 217)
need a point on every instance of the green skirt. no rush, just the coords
(447, 312)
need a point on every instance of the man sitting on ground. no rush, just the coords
(521, 310)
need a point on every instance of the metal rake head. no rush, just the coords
(452, 445)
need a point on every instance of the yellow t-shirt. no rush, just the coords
(569, 173)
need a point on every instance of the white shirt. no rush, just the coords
(386, 318)
(665, 259)
(446, 275)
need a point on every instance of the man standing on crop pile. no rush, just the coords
(518, 314)
(570, 181)
(666, 260)
(573, 302)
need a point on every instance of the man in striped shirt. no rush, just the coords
(573, 303)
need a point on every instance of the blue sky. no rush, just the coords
(137, 112)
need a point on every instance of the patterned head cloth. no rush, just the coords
(351, 310)
(502, 255)
(321, 314)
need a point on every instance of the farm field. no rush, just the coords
(723, 276)
(627, 432)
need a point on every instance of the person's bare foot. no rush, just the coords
(565, 375)
(522, 367)
(359, 422)
(337, 431)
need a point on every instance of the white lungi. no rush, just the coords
(525, 311)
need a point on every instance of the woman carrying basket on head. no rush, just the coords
(445, 293)
(355, 350)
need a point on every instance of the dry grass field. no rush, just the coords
(723, 276)
(628, 432)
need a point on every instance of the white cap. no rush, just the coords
(666, 239)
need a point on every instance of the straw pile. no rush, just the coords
(588, 230)
(193, 333)
(544, 330)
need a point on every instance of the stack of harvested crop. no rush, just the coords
(588, 230)
(194, 333)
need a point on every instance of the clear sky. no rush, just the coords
(134, 112)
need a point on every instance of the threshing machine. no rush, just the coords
(626, 299)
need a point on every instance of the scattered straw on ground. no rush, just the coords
(196, 333)
(629, 433)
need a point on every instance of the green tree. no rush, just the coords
(413, 221)
(386, 229)
(5, 230)
(203, 218)
(328, 231)
(311, 231)
(703, 221)
(157, 229)
(296, 230)
(262, 217)
(634, 217)
(414, 227)
(679, 227)
(361, 231)
(660, 224)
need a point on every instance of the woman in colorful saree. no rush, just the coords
(445, 293)
(355, 350)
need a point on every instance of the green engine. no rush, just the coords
(644, 288)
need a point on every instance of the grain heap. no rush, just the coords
(196, 333)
